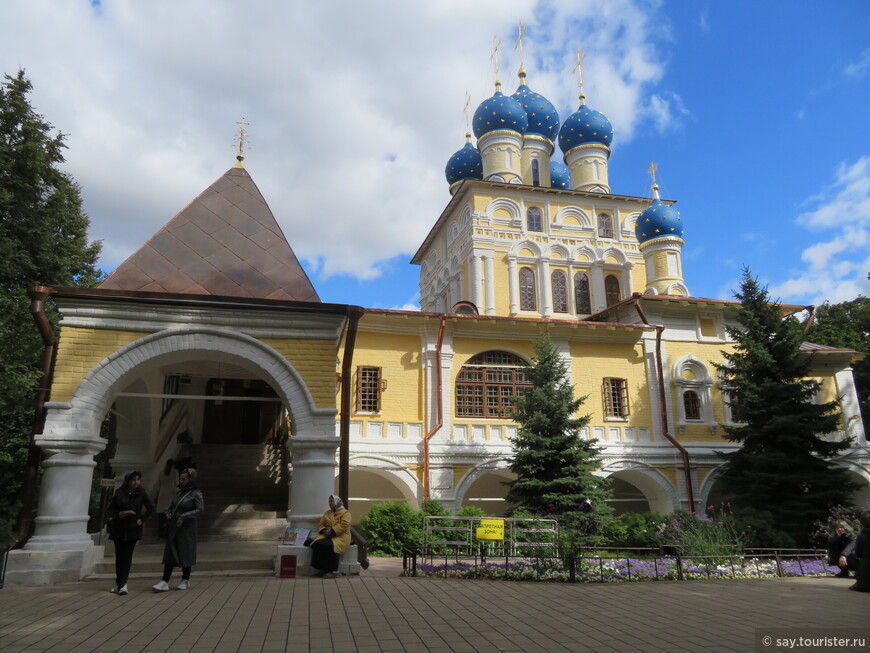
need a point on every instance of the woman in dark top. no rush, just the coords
(862, 552)
(180, 548)
(841, 545)
(129, 509)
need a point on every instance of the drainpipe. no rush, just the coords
(439, 407)
(663, 405)
(810, 318)
(354, 313)
(38, 295)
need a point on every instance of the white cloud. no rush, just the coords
(354, 107)
(837, 267)
(860, 67)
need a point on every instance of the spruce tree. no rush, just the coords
(552, 462)
(782, 470)
(43, 241)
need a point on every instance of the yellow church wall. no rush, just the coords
(709, 354)
(79, 350)
(638, 278)
(674, 475)
(592, 362)
(314, 360)
(398, 356)
(502, 284)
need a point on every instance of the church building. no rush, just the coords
(211, 342)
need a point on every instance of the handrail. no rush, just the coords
(170, 432)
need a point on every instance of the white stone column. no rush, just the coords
(546, 289)
(850, 407)
(488, 263)
(599, 298)
(64, 494)
(312, 479)
(475, 279)
(626, 288)
(513, 284)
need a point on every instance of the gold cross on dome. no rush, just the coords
(521, 30)
(653, 166)
(242, 137)
(496, 46)
(578, 68)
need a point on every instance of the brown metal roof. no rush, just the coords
(226, 242)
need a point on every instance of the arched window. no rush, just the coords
(535, 219)
(605, 226)
(536, 173)
(486, 384)
(582, 297)
(611, 290)
(528, 297)
(560, 291)
(692, 405)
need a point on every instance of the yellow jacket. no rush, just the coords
(339, 522)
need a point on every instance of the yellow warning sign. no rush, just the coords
(491, 529)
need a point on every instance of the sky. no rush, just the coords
(756, 112)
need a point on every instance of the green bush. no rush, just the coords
(391, 526)
(638, 529)
(473, 511)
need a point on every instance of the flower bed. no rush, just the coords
(596, 570)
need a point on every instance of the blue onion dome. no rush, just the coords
(560, 176)
(658, 220)
(585, 126)
(499, 112)
(464, 164)
(542, 115)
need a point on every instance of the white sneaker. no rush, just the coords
(162, 586)
(123, 590)
(183, 585)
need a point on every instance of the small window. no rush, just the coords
(536, 173)
(560, 291)
(692, 405)
(487, 383)
(369, 386)
(535, 219)
(615, 393)
(605, 226)
(611, 290)
(582, 296)
(528, 297)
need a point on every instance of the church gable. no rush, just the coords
(226, 242)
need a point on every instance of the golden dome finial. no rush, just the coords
(578, 68)
(242, 136)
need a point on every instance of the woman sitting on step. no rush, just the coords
(180, 548)
(333, 538)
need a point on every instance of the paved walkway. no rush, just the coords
(382, 612)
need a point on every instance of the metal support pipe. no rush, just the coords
(354, 314)
(439, 407)
(38, 296)
(687, 470)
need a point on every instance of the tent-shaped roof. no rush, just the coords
(225, 242)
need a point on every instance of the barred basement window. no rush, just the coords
(535, 219)
(528, 298)
(369, 386)
(692, 405)
(560, 291)
(615, 392)
(582, 296)
(486, 384)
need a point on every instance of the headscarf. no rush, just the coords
(129, 475)
(191, 475)
(339, 504)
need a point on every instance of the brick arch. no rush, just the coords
(94, 394)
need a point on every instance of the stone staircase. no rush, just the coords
(244, 488)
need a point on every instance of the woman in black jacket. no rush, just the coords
(862, 552)
(129, 509)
